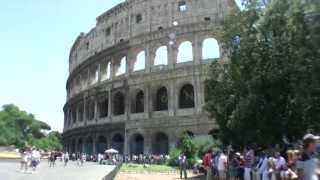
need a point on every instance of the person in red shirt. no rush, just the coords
(207, 163)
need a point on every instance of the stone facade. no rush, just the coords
(111, 103)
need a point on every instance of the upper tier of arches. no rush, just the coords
(157, 58)
(134, 18)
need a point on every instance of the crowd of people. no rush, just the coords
(264, 164)
(249, 164)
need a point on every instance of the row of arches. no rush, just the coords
(160, 102)
(159, 144)
(89, 146)
(210, 50)
(186, 100)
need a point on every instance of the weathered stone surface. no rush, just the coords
(117, 34)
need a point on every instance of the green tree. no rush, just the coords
(271, 86)
(21, 129)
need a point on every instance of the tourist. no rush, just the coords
(233, 165)
(183, 165)
(83, 159)
(24, 160)
(35, 158)
(52, 159)
(280, 165)
(66, 158)
(207, 163)
(248, 163)
(262, 167)
(308, 164)
(222, 166)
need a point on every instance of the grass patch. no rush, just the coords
(140, 168)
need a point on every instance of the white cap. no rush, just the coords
(311, 136)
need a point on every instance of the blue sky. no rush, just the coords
(35, 40)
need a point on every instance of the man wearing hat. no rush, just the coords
(308, 164)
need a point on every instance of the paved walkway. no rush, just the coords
(90, 171)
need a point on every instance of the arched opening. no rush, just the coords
(122, 67)
(210, 49)
(117, 143)
(140, 61)
(160, 144)
(161, 57)
(80, 146)
(138, 103)
(185, 52)
(186, 98)
(89, 146)
(161, 101)
(102, 144)
(103, 107)
(90, 110)
(136, 144)
(118, 104)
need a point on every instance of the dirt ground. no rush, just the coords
(123, 176)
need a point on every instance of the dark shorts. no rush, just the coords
(34, 163)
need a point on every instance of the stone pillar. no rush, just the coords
(109, 104)
(148, 60)
(147, 101)
(112, 69)
(172, 55)
(126, 143)
(94, 145)
(130, 60)
(96, 115)
(171, 99)
(198, 94)
(197, 50)
(85, 110)
(127, 100)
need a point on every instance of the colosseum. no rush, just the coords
(136, 80)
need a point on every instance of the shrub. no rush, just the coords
(174, 155)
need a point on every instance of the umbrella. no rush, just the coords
(111, 151)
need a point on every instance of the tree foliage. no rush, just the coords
(22, 129)
(271, 86)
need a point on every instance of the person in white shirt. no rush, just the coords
(280, 164)
(35, 159)
(222, 166)
(263, 167)
(24, 161)
(66, 158)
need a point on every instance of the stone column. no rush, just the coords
(130, 59)
(171, 99)
(112, 68)
(198, 94)
(85, 110)
(109, 104)
(172, 55)
(127, 105)
(126, 143)
(96, 115)
(148, 59)
(94, 144)
(197, 50)
(147, 102)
